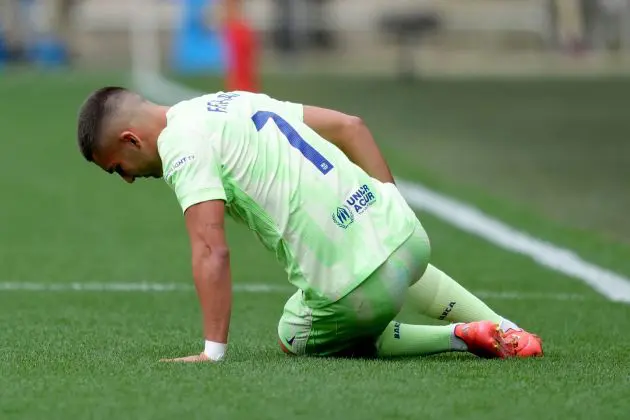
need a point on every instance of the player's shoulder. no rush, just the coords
(224, 106)
(189, 116)
(184, 111)
(183, 132)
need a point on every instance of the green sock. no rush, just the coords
(417, 340)
(440, 297)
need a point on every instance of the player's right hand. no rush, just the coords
(196, 358)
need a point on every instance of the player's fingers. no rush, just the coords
(178, 359)
(194, 358)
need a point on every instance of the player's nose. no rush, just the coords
(129, 178)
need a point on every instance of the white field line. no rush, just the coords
(612, 285)
(130, 287)
(145, 287)
(147, 78)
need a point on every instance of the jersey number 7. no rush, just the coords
(260, 118)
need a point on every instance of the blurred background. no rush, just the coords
(373, 36)
(518, 102)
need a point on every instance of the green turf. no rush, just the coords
(95, 354)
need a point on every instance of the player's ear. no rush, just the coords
(130, 138)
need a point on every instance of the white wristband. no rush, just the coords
(215, 351)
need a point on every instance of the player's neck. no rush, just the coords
(155, 122)
(161, 112)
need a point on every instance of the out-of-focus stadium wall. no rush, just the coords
(472, 35)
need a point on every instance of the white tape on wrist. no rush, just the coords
(215, 351)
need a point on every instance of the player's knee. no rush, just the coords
(282, 332)
(284, 348)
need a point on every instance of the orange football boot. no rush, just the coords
(525, 344)
(485, 339)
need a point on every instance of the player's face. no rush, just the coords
(130, 158)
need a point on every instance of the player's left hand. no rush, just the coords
(195, 358)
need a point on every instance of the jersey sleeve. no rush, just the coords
(191, 167)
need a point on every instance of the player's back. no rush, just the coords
(329, 222)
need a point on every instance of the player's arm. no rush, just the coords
(352, 136)
(211, 271)
(192, 169)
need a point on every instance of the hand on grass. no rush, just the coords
(195, 358)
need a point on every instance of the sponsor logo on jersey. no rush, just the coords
(361, 199)
(178, 165)
(221, 102)
(343, 216)
(356, 203)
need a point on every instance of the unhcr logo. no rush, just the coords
(343, 217)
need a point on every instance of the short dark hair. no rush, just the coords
(93, 112)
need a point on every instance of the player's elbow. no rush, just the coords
(354, 122)
(217, 253)
(221, 252)
(206, 262)
(352, 126)
(203, 252)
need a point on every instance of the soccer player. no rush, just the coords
(313, 186)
